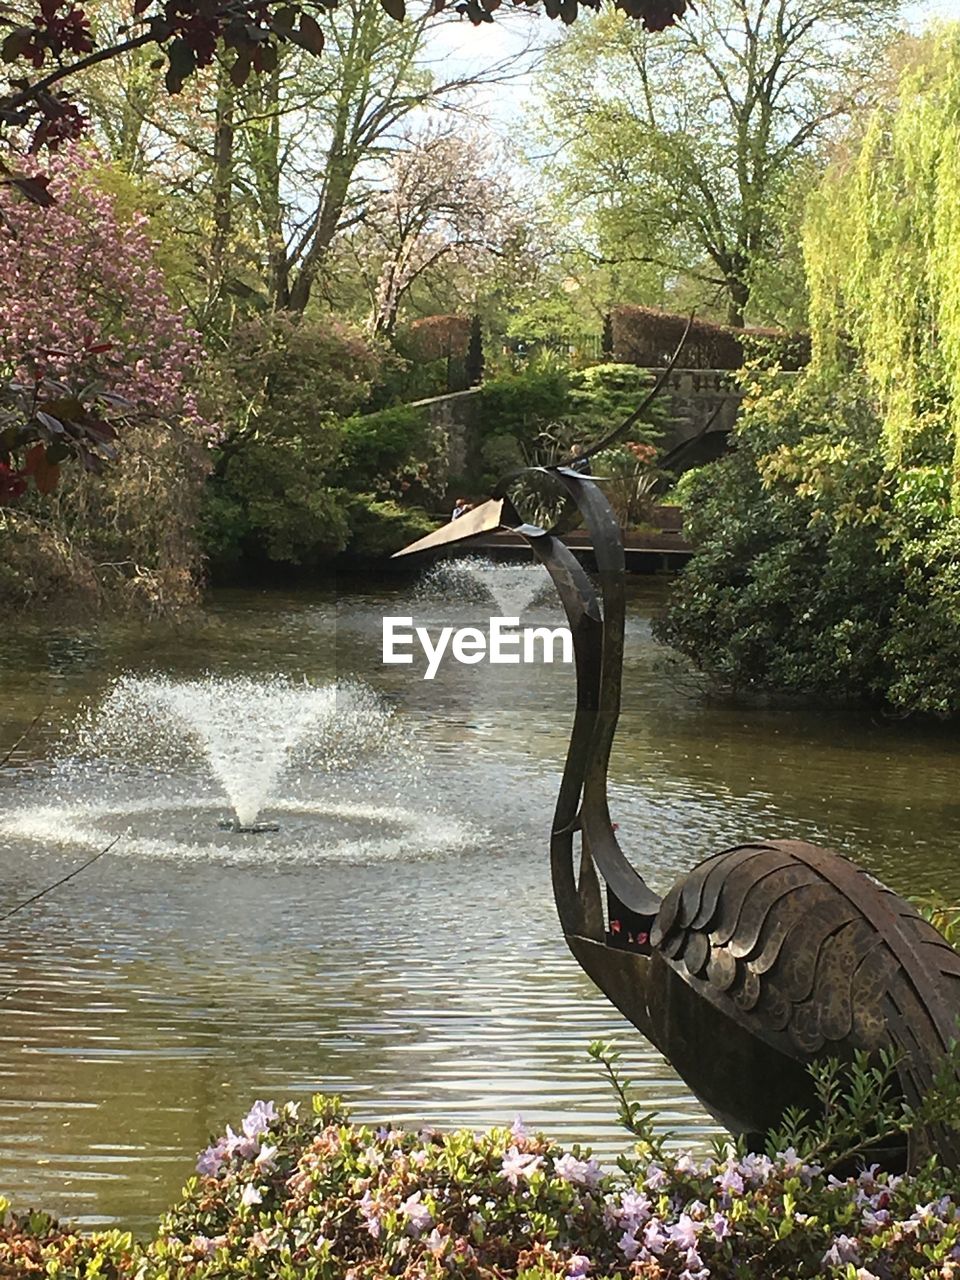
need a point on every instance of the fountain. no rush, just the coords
(247, 731)
(156, 758)
(513, 588)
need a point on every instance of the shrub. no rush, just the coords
(648, 337)
(377, 447)
(818, 571)
(522, 404)
(438, 337)
(315, 1197)
(298, 451)
(378, 527)
(83, 301)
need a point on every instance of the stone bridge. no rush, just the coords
(701, 405)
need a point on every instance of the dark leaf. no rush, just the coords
(118, 401)
(568, 12)
(45, 474)
(67, 408)
(140, 6)
(265, 58)
(396, 9)
(240, 71)
(33, 189)
(17, 43)
(183, 63)
(98, 348)
(52, 424)
(283, 19)
(311, 34)
(57, 453)
(101, 431)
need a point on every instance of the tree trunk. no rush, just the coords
(223, 140)
(738, 297)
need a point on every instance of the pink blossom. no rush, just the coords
(517, 1165)
(79, 274)
(584, 1173)
(418, 1216)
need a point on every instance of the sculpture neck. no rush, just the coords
(598, 637)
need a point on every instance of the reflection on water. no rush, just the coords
(408, 955)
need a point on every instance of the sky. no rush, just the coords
(458, 47)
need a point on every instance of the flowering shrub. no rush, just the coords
(92, 350)
(318, 1198)
(81, 295)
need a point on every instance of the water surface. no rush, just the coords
(396, 941)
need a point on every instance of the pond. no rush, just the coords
(395, 940)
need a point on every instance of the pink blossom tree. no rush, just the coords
(445, 201)
(89, 338)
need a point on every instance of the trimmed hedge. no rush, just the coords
(648, 337)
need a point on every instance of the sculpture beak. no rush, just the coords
(483, 519)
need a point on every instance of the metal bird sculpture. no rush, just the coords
(765, 957)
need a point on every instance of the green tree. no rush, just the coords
(882, 247)
(818, 571)
(687, 152)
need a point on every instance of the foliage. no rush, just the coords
(61, 39)
(395, 450)
(272, 504)
(380, 526)
(320, 1198)
(681, 152)
(438, 337)
(101, 321)
(285, 386)
(631, 480)
(818, 570)
(281, 376)
(522, 404)
(445, 204)
(537, 418)
(475, 358)
(648, 337)
(882, 247)
(95, 352)
(44, 421)
(296, 450)
(605, 394)
(943, 917)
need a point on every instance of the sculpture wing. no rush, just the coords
(813, 956)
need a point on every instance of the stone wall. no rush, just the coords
(698, 402)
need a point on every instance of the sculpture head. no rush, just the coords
(493, 514)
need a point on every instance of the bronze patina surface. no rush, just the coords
(764, 957)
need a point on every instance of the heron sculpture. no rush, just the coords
(764, 957)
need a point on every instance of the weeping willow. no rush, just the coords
(882, 250)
